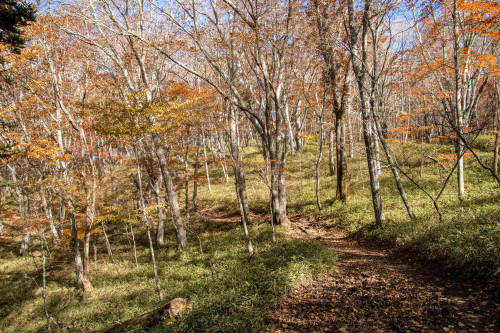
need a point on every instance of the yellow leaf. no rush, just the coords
(169, 321)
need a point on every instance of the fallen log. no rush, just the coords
(166, 313)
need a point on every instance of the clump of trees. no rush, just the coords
(106, 87)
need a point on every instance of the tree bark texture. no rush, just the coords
(359, 62)
(343, 177)
(148, 231)
(239, 175)
(331, 151)
(180, 228)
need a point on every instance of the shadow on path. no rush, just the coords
(376, 289)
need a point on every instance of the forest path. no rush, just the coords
(376, 289)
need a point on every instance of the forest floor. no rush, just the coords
(381, 289)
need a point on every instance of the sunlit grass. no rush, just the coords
(468, 236)
(232, 291)
(466, 239)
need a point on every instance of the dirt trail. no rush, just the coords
(378, 289)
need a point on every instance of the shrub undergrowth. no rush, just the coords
(467, 238)
(230, 290)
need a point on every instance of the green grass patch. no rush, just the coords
(468, 237)
(230, 291)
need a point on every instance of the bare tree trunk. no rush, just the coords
(89, 185)
(224, 171)
(77, 257)
(160, 230)
(377, 152)
(289, 130)
(25, 241)
(283, 219)
(331, 158)
(44, 292)
(277, 150)
(496, 149)
(89, 221)
(393, 166)
(213, 151)
(349, 127)
(459, 148)
(133, 244)
(48, 213)
(318, 161)
(298, 127)
(195, 176)
(206, 163)
(62, 215)
(24, 212)
(75, 242)
(180, 228)
(372, 171)
(95, 251)
(359, 61)
(222, 155)
(340, 92)
(343, 177)
(146, 220)
(162, 216)
(458, 112)
(496, 119)
(280, 181)
(278, 193)
(108, 247)
(186, 186)
(239, 175)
